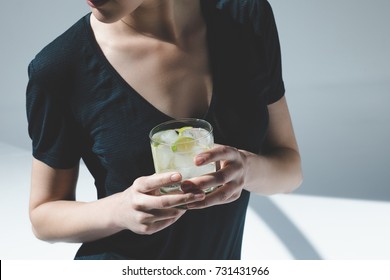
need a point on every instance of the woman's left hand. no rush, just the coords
(229, 179)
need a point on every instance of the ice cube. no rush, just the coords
(186, 173)
(196, 150)
(167, 136)
(183, 160)
(192, 132)
(164, 158)
(202, 136)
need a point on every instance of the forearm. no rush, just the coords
(278, 171)
(72, 221)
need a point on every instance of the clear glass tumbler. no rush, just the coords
(174, 145)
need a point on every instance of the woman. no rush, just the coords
(96, 91)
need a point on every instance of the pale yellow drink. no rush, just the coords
(175, 145)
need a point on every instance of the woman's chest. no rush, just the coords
(176, 80)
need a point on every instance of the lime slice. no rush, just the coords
(182, 129)
(183, 144)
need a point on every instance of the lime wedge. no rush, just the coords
(183, 144)
(182, 129)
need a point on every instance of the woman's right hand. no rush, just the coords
(57, 216)
(140, 210)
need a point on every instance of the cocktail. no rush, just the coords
(175, 144)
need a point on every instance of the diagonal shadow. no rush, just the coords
(287, 232)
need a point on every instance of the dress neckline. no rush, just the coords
(98, 51)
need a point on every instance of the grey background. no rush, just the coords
(336, 69)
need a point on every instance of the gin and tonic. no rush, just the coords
(175, 144)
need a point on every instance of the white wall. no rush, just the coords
(336, 63)
(345, 41)
(25, 28)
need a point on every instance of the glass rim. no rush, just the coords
(184, 121)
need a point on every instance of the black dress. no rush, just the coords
(79, 107)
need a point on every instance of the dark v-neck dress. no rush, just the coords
(79, 107)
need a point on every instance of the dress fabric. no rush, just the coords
(79, 107)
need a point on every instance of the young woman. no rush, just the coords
(96, 91)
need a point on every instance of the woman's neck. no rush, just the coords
(168, 20)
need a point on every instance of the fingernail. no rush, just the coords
(200, 160)
(188, 186)
(200, 196)
(175, 177)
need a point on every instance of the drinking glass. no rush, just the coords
(174, 145)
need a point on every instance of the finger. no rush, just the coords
(216, 179)
(219, 152)
(225, 194)
(154, 182)
(172, 200)
(189, 187)
(155, 215)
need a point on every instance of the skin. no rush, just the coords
(166, 39)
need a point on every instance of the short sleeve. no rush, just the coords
(257, 19)
(50, 126)
(268, 46)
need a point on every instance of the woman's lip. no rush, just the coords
(96, 3)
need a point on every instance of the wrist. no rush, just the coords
(114, 219)
(248, 160)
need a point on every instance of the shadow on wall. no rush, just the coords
(290, 235)
(343, 134)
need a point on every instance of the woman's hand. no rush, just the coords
(229, 179)
(57, 216)
(276, 170)
(142, 211)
